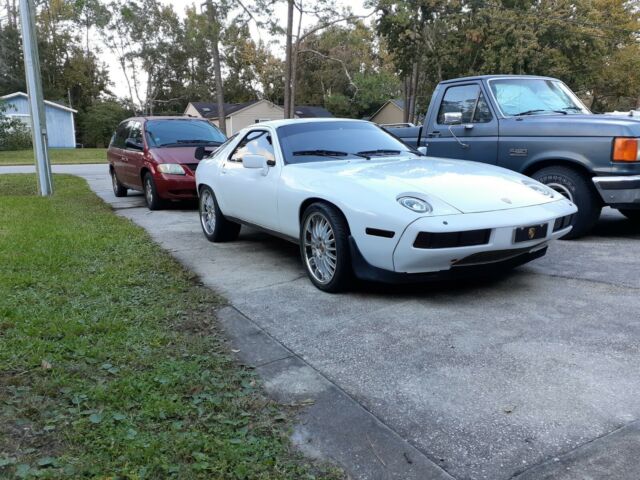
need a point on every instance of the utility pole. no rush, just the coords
(34, 91)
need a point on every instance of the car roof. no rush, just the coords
(165, 117)
(493, 77)
(290, 121)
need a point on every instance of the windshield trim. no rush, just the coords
(497, 104)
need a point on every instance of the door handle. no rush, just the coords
(433, 134)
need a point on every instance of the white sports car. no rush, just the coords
(359, 201)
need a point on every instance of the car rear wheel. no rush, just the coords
(215, 226)
(154, 202)
(324, 247)
(631, 214)
(119, 190)
(577, 188)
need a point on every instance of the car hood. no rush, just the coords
(570, 126)
(469, 187)
(174, 154)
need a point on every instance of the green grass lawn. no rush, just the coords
(111, 364)
(56, 156)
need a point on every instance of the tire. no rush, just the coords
(577, 188)
(215, 226)
(325, 253)
(154, 202)
(119, 190)
(631, 214)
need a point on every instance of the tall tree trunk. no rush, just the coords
(294, 68)
(215, 52)
(288, 60)
(405, 94)
(415, 76)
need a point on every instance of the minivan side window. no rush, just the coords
(121, 135)
(256, 142)
(468, 100)
(135, 131)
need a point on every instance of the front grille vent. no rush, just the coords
(192, 166)
(466, 238)
(562, 222)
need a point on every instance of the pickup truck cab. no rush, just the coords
(537, 126)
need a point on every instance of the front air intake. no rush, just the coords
(468, 238)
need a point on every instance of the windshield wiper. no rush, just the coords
(380, 151)
(321, 153)
(538, 110)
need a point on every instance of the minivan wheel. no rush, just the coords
(215, 226)
(119, 190)
(154, 202)
(324, 247)
(579, 189)
(631, 214)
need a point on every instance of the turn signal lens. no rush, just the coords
(625, 150)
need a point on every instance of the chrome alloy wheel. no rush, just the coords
(320, 248)
(207, 212)
(114, 182)
(148, 190)
(561, 189)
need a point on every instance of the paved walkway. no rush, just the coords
(532, 376)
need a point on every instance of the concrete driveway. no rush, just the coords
(533, 375)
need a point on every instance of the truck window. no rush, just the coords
(468, 100)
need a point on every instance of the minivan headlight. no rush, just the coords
(171, 168)
(415, 204)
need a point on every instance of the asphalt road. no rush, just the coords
(531, 375)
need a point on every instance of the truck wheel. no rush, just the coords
(577, 188)
(633, 215)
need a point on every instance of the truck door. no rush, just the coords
(464, 126)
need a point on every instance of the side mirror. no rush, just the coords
(422, 150)
(132, 144)
(257, 161)
(202, 152)
(453, 118)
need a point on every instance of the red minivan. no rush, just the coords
(157, 155)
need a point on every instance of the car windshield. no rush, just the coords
(535, 96)
(178, 133)
(323, 141)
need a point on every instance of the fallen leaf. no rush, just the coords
(46, 365)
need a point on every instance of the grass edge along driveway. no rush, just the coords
(57, 156)
(111, 364)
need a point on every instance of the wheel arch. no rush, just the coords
(311, 200)
(538, 165)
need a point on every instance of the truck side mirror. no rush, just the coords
(453, 118)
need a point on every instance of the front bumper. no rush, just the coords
(175, 187)
(619, 191)
(412, 261)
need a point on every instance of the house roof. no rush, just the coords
(398, 102)
(307, 111)
(210, 109)
(47, 102)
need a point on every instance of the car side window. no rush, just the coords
(121, 135)
(135, 131)
(467, 100)
(256, 142)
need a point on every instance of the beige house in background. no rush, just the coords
(241, 115)
(391, 112)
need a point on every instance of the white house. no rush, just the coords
(61, 130)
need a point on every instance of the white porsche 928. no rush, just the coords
(360, 202)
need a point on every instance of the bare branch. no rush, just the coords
(344, 67)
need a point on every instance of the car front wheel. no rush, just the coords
(324, 247)
(579, 189)
(215, 226)
(154, 202)
(631, 214)
(119, 190)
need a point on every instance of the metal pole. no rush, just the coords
(36, 102)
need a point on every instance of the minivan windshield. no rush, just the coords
(322, 141)
(535, 96)
(182, 133)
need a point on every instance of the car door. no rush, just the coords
(475, 136)
(249, 194)
(115, 154)
(134, 156)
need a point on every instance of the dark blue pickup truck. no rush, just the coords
(537, 126)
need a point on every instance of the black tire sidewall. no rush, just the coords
(119, 190)
(225, 230)
(343, 273)
(584, 195)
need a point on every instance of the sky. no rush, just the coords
(116, 77)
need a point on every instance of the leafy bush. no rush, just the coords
(99, 121)
(14, 134)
